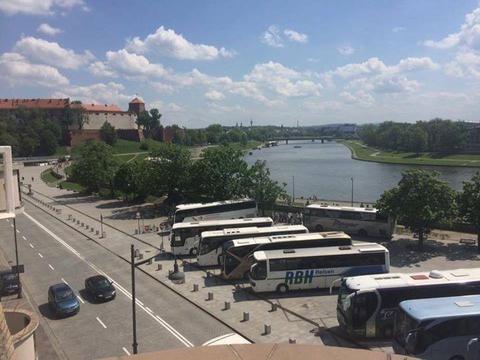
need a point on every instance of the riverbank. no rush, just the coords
(362, 152)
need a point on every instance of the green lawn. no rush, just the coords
(128, 146)
(72, 186)
(49, 177)
(363, 152)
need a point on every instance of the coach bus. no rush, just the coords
(185, 236)
(311, 268)
(210, 246)
(367, 305)
(229, 209)
(361, 221)
(438, 328)
(237, 254)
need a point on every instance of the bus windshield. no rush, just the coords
(344, 298)
(259, 270)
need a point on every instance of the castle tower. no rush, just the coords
(136, 106)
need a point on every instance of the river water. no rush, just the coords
(325, 170)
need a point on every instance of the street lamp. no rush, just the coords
(17, 270)
(138, 216)
(293, 189)
(352, 189)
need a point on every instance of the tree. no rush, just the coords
(150, 121)
(261, 187)
(134, 178)
(469, 203)
(221, 174)
(419, 201)
(170, 169)
(96, 167)
(214, 133)
(108, 133)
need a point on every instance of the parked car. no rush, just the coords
(62, 300)
(100, 288)
(9, 283)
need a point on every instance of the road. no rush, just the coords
(53, 252)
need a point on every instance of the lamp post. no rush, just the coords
(352, 189)
(293, 189)
(16, 258)
(137, 215)
(101, 225)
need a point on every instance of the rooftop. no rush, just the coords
(136, 100)
(98, 107)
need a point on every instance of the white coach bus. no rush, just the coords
(229, 209)
(352, 220)
(297, 269)
(237, 254)
(211, 242)
(185, 236)
(367, 305)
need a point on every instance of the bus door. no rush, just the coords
(365, 304)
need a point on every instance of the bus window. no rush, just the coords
(259, 270)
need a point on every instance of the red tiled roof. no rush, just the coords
(136, 100)
(98, 107)
(10, 104)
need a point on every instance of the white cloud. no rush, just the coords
(398, 29)
(109, 93)
(272, 37)
(466, 63)
(16, 69)
(468, 35)
(414, 64)
(292, 35)
(38, 7)
(162, 87)
(218, 108)
(48, 30)
(51, 53)
(166, 42)
(346, 50)
(99, 68)
(166, 108)
(214, 95)
(359, 97)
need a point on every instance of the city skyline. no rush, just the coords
(275, 63)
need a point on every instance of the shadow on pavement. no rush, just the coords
(45, 310)
(245, 293)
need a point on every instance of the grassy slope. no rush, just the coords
(362, 152)
(49, 178)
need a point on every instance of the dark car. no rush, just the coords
(100, 288)
(9, 283)
(62, 300)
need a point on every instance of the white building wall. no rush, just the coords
(122, 120)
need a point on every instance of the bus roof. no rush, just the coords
(202, 205)
(253, 230)
(290, 237)
(343, 208)
(444, 307)
(393, 280)
(326, 251)
(207, 223)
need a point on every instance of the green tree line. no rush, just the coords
(437, 135)
(220, 174)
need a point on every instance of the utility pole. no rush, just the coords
(293, 189)
(101, 225)
(134, 315)
(352, 189)
(16, 258)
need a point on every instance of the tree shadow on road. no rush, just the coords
(405, 253)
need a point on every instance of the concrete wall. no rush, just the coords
(118, 120)
(22, 325)
(16, 194)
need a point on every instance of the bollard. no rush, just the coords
(104, 234)
(87, 227)
(274, 307)
(210, 296)
(140, 256)
(82, 224)
(246, 316)
(195, 287)
(69, 217)
(267, 329)
(78, 222)
(97, 232)
(292, 341)
(137, 253)
(159, 267)
(227, 305)
(150, 261)
(136, 231)
(91, 229)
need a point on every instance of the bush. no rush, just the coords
(143, 145)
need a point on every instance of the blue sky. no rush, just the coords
(274, 62)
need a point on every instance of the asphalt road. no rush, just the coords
(53, 252)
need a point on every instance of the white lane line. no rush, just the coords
(126, 351)
(31, 245)
(101, 322)
(51, 267)
(148, 309)
(80, 298)
(157, 318)
(139, 302)
(18, 231)
(40, 255)
(11, 225)
(65, 281)
(24, 238)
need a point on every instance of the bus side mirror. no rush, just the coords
(410, 340)
(471, 343)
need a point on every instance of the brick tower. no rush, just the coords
(136, 106)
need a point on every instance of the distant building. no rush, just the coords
(95, 116)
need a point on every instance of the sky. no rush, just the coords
(236, 61)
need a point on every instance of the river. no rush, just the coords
(325, 170)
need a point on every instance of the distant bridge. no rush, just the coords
(311, 138)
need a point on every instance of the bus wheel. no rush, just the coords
(282, 288)
(319, 228)
(362, 232)
(194, 252)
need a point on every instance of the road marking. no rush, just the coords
(139, 302)
(24, 238)
(157, 318)
(101, 322)
(65, 281)
(40, 255)
(148, 309)
(126, 351)
(11, 225)
(80, 298)
(51, 267)
(18, 231)
(8, 220)
(31, 245)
